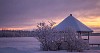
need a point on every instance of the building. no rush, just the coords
(71, 21)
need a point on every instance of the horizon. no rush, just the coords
(25, 14)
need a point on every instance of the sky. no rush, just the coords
(25, 14)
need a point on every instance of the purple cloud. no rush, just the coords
(28, 12)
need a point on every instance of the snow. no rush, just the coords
(14, 50)
(28, 45)
(93, 39)
(71, 21)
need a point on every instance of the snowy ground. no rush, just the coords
(14, 50)
(28, 45)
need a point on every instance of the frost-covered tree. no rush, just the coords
(54, 40)
(72, 42)
(44, 35)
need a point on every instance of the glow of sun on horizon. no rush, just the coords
(95, 22)
(19, 28)
(92, 22)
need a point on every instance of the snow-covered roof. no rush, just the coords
(71, 21)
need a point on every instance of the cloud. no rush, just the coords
(43, 8)
(20, 13)
(96, 29)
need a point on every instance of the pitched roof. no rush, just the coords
(71, 21)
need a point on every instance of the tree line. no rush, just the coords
(16, 33)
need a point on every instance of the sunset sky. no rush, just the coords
(25, 14)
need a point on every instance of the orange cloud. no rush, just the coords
(94, 22)
(19, 28)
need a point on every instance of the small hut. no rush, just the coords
(71, 21)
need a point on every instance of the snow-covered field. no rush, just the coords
(93, 39)
(30, 45)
